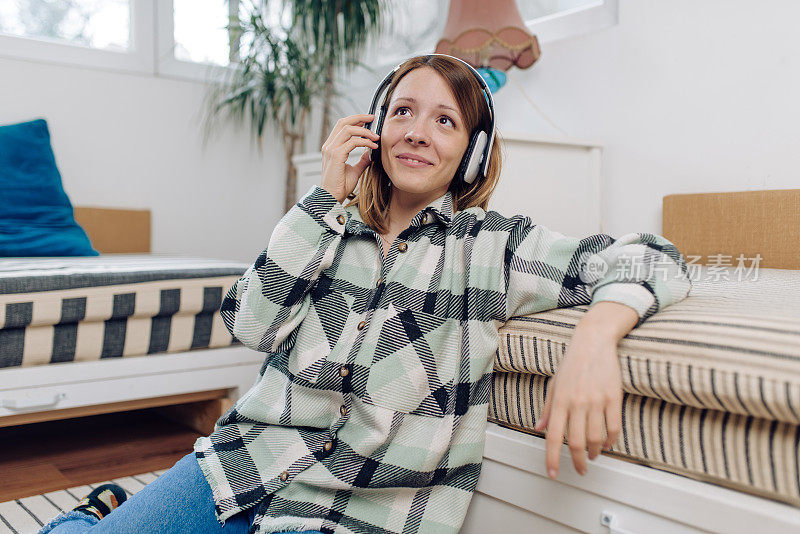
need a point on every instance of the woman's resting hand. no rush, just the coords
(585, 397)
(339, 178)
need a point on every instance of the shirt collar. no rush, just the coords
(441, 209)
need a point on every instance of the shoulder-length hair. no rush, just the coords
(374, 191)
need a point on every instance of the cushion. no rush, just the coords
(744, 453)
(732, 345)
(56, 310)
(35, 213)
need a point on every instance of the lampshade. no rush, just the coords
(489, 35)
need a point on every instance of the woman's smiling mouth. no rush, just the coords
(412, 160)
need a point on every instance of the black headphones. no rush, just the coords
(476, 158)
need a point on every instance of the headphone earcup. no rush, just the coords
(374, 154)
(471, 162)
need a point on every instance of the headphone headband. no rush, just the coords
(467, 163)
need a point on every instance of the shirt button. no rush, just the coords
(343, 410)
(361, 325)
(328, 445)
(344, 371)
(402, 247)
(340, 219)
(426, 218)
(285, 476)
(380, 281)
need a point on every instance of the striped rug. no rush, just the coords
(29, 514)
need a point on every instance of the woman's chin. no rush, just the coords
(421, 191)
(414, 186)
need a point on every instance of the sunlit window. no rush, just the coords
(201, 33)
(201, 28)
(103, 24)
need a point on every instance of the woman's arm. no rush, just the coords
(586, 393)
(546, 269)
(268, 302)
(625, 280)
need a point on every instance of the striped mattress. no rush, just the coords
(29, 514)
(711, 384)
(55, 310)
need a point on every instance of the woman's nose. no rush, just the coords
(417, 137)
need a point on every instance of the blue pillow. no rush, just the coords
(35, 213)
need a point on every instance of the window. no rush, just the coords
(194, 40)
(94, 23)
(97, 33)
(199, 31)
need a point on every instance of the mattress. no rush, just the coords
(711, 384)
(55, 310)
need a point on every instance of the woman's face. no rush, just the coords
(424, 136)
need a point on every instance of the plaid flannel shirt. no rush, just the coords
(369, 413)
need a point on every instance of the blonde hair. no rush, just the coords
(374, 188)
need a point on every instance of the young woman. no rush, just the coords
(379, 318)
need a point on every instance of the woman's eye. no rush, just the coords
(398, 110)
(446, 119)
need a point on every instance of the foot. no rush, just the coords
(102, 501)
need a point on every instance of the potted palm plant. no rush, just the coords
(283, 71)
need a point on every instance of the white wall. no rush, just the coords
(685, 95)
(129, 140)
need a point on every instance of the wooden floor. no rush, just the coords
(42, 457)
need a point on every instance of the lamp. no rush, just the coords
(490, 36)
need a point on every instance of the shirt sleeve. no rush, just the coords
(545, 270)
(269, 302)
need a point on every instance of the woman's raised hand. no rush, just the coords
(339, 178)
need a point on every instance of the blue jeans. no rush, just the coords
(179, 501)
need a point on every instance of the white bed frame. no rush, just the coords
(514, 494)
(48, 392)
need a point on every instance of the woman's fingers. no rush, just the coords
(554, 440)
(341, 153)
(543, 420)
(594, 431)
(341, 144)
(350, 131)
(338, 177)
(613, 413)
(577, 439)
(354, 142)
(352, 120)
(358, 167)
(357, 118)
